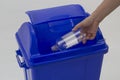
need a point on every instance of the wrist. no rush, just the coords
(95, 18)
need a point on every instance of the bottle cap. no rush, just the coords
(54, 48)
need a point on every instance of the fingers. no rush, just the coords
(92, 36)
(77, 26)
(84, 40)
(89, 36)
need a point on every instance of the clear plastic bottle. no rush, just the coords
(68, 40)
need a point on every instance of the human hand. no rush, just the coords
(89, 27)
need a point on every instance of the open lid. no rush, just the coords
(56, 13)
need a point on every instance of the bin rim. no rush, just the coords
(36, 60)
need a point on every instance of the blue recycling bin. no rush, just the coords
(35, 38)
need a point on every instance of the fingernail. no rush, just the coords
(84, 42)
(91, 38)
(73, 29)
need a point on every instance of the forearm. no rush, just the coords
(106, 7)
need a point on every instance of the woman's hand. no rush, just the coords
(89, 27)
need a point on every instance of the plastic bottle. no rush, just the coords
(68, 40)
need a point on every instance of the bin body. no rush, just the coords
(35, 38)
(85, 68)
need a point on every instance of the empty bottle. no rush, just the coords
(68, 40)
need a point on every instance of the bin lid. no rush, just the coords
(63, 12)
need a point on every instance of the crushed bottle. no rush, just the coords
(68, 40)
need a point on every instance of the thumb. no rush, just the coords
(78, 26)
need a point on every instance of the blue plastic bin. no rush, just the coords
(35, 38)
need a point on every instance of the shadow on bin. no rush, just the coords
(35, 38)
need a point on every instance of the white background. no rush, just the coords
(12, 15)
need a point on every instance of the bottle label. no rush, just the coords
(70, 40)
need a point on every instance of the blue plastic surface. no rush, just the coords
(36, 38)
